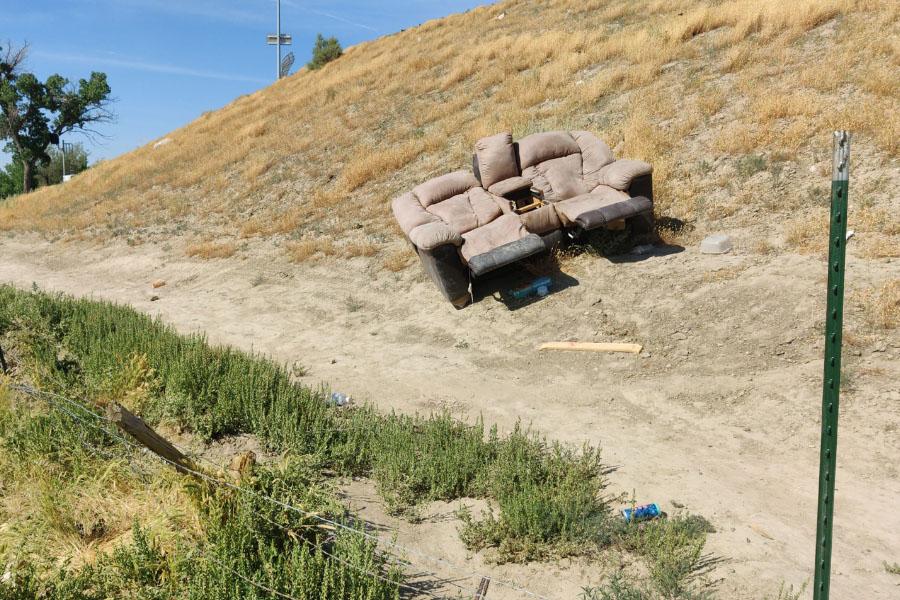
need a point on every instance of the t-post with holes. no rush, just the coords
(278, 40)
(834, 315)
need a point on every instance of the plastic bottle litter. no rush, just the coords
(339, 399)
(539, 287)
(641, 513)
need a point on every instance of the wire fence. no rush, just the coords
(87, 417)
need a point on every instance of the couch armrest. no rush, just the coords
(509, 186)
(431, 235)
(410, 213)
(619, 174)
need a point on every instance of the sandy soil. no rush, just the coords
(720, 414)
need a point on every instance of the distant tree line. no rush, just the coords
(51, 173)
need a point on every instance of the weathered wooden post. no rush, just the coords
(834, 315)
(136, 428)
(482, 588)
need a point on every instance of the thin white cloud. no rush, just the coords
(139, 65)
(224, 10)
(208, 9)
(322, 13)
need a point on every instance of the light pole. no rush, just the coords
(278, 40)
(63, 148)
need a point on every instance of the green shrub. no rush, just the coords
(751, 164)
(324, 51)
(673, 551)
(617, 588)
(549, 497)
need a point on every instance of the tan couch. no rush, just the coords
(575, 171)
(464, 225)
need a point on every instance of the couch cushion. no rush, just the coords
(539, 147)
(443, 187)
(506, 254)
(505, 229)
(496, 158)
(570, 209)
(563, 177)
(595, 154)
(464, 212)
(601, 206)
(541, 220)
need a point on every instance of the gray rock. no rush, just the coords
(716, 244)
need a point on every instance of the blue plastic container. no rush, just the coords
(539, 287)
(641, 513)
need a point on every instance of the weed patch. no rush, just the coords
(195, 542)
(549, 499)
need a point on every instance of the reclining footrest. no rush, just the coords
(599, 217)
(506, 254)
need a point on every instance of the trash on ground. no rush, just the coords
(593, 347)
(642, 513)
(716, 244)
(339, 399)
(538, 287)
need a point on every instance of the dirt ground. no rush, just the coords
(719, 414)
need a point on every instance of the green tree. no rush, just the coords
(11, 179)
(52, 172)
(34, 114)
(324, 51)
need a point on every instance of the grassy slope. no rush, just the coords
(698, 88)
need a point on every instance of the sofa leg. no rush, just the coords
(448, 273)
(643, 229)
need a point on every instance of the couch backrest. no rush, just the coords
(541, 147)
(595, 154)
(563, 164)
(444, 187)
(457, 199)
(495, 159)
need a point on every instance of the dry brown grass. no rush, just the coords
(211, 249)
(305, 249)
(354, 249)
(808, 234)
(772, 75)
(398, 260)
(881, 304)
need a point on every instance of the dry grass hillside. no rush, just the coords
(731, 101)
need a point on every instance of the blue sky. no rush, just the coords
(168, 61)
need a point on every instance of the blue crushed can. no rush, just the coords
(641, 513)
(540, 287)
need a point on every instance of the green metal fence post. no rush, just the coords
(834, 315)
